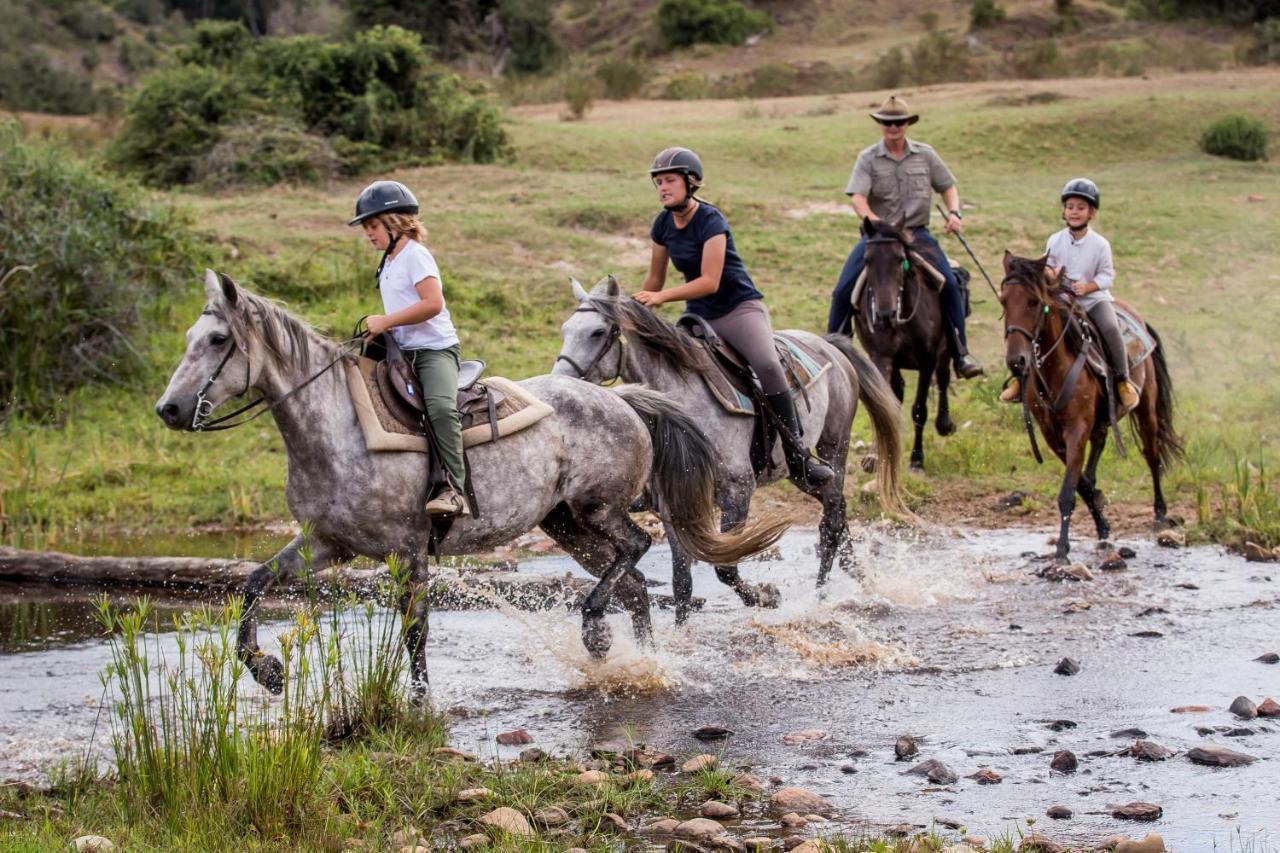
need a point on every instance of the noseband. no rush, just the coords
(898, 319)
(613, 336)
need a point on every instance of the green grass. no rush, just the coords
(1192, 253)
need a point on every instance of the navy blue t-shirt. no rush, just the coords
(684, 246)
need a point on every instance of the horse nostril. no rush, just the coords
(168, 412)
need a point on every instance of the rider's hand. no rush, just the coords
(954, 225)
(1084, 288)
(377, 324)
(652, 298)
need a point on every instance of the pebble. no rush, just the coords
(791, 820)
(698, 762)
(699, 829)
(712, 733)
(93, 844)
(803, 736)
(905, 747)
(1153, 843)
(751, 783)
(1137, 811)
(470, 795)
(551, 816)
(1269, 657)
(1126, 552)
(1064, 761)
(509, 821)
(1269, 708)
(1037, 843)
(1171, 539)
(1067, 666)
(661, 826)
(533, 754)
(1129, 733)
(1061, 725)
(519, 737)
(987, 776)
(717, 810)
(613, 822)
(1112, 562)
(936, 772)
(1219, 756)
(1145, 750)
(472, 842)
(1243, 707)
(792, 799)
(848, 769)
(1059, 812)
(591, 777)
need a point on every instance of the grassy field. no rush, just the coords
(1194, 241)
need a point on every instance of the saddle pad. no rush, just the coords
(516, 410)
(801, 366)
(1138, 343)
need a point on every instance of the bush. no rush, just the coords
(79, 255)
(985, 13)
(579, 89)
(528, 28)
(1236, 136)
(685, 22)
(622, 79)
(1266, 42)
(29, 82)
(265, 152)
(689, 86)
(377, 93)
(1038, 61)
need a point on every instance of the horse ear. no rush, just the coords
(229, 292)
(611, 288)
(1008, 261)
(579, 293)
(212, 286)
(900, 225)
(868, 227)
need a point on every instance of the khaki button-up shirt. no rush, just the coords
(900, 188)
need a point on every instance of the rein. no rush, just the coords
(898, 319)
(614, 336)
(201, 421)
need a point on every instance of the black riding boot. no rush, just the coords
(802, 466)
(965, 365)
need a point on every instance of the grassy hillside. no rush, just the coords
(1193, 238)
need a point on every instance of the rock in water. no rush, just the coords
(519, 737)
(1037, 843)
(936, 772)
(1153, 843)
(717, 810)
(509, 821)
(712, 733)
(1255, 553)
(799, 800)
(699, 829)
(1058, 812)
(1145, 750)
(1067, 666)
(1171, 539)
(661, 826)
(1112, 562)
(1128, 733)
(1244, 708)
(1269, 657)
(1137, 811)
(987, 776)
(1219, 756)
(1269, 708)
(1064, 761)
(803, 736)
(905, 747)
(698, 762)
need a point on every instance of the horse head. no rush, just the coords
(1027, 294)
(889, 247)
(591, 334)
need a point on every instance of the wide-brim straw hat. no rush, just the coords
(895, 109)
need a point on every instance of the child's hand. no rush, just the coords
(1084, 288)
(377, 324)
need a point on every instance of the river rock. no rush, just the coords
(613, 822)
(532, 755)
(1255, 553)
(661, 826)
(712, 733)
(791, 799)
(809, 846)
(1037, 843)
(519, 737)
(641, 775)
(1153, 843)
(791, 820)
(93, 844)
(508, 820)
(699, 829)
(1129, 733)
(751, 783)
(471, 795)
(935, 771)
(473, 842)
(1126, 552)
(407, 837)
(1137, 811)
(905, 747)
(1269, 708)
(717, 810)
(1171, 539)
(987, 776)
(1067, 666)
(803, 736)
(698, 762)
(1058, 812)
(1112, 562)
(1219, 756)
(1064, 761)
(1145, 750)
(1061, 725)
(448, 753)
(757, 843)
(551, 816)
(647, 757)
(1191, 709)
(591, 777)
(1243, 707)
(1269, 657)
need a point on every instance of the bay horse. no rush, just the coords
(899, 323)
(610, 337)
(573, 473)
(1045, 348)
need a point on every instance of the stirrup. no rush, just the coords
(448, 502)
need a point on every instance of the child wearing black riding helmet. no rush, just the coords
(416, 316)
(1083, 257)
(695, 237)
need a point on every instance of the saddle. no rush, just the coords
(736, 388)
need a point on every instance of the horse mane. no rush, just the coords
(1029, 272)
(677, 349)
(286, 339)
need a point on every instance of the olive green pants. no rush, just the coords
(437, 371)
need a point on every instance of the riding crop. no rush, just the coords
(965, 243)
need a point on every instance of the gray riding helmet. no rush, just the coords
(1082, 188)
(384, 197)
(680, 160)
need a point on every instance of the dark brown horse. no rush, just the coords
(899, 322)
(1045, 348)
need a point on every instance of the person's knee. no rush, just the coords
(441, 408)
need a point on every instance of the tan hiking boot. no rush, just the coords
(1013, 393)
(1128, 395)
(448, 502)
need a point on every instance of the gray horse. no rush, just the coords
(573, 473)
(611, 336)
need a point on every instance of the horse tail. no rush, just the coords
(1168, 443)
(886, 426)
(683, 481)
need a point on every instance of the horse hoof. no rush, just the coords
(269, 672)
(682, 615)
(945, 428)
(768, 596)
(916, 469)
(596, 636)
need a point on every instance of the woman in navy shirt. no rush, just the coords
(695, 237)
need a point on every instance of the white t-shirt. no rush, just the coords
(397, 285)
(1086, 259)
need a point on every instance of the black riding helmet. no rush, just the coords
(384, 197)
(680, 160)
(1082, 188)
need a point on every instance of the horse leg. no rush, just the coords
(415, 617)
(833, 529)
(734, 508)
(1067, 494)
(681, 576)
(896, 384)
(1088, 485)
(1148, 417)
(943, 423)
(920, 416)
(267, 669)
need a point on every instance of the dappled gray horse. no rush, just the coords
(573, 473)
(611, 336)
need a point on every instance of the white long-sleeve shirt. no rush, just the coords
(1086, 259)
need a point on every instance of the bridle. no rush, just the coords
(898, 319)
(201, 421)
(612, 336)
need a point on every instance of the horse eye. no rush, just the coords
(597, 333)
(217, 340)
(1031, 304)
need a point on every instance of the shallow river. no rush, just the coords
(949, 637)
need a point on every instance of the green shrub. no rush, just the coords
(689, 86)
(685, 22)
(1041, 59)
(579, 90)
(80, 253)
(770, 81)
(985, 13)
(1266, 42)
(1236, 136)
(266, 151)
(29, 82)
(622, 79)
(890, 70)
(528, 27)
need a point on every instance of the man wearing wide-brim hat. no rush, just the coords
(895, 180)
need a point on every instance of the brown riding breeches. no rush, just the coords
(1103, 316)
(748, 329)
